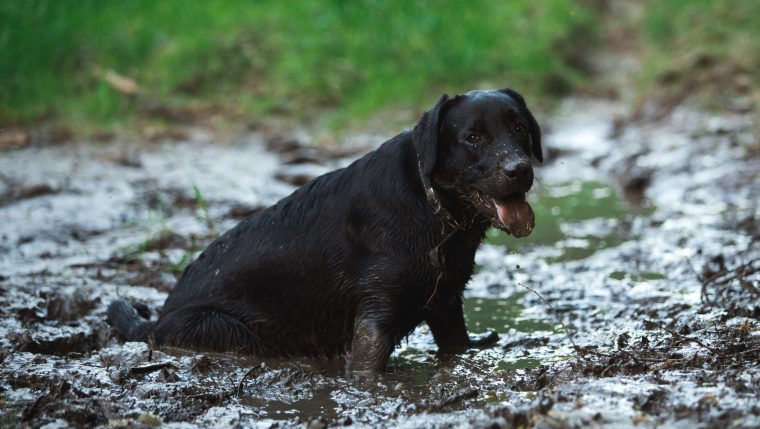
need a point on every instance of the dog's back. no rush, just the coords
(286, 281)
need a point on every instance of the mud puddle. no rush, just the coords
(634, 303)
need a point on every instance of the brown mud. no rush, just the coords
(634, 302)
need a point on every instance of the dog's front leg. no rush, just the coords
(445, 318)
(371, 346)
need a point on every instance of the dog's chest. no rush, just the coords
(458, 257)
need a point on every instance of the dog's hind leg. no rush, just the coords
(205, 328)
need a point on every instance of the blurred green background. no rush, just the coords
(94, 64)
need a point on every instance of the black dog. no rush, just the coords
(354, 260)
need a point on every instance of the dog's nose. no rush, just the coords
(516, 169)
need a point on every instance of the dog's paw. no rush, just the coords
(484, 340)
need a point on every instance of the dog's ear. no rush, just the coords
(425, 136)
(533, 129)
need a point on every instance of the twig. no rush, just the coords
(253, 371)
(740, 272)
(569, 336)
(734, 272)
(147, 369)
(756, 349)
(640, 359)
(461, 395)
(693, 340)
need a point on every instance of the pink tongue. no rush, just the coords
(516, 216)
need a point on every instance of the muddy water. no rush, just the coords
(644, 256)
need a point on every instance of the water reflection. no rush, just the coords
(577, 219)
(503, 315)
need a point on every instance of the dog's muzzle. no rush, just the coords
(502, 198)
(514, 215)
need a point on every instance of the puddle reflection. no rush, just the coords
(577, 219)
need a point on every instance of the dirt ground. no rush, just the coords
(635, 303)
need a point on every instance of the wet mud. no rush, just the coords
(634, 303)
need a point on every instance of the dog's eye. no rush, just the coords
(473, 138)
(520, 128)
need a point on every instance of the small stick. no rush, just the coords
(147, 369)
(569, 336)
(461, 395)
(756, 349)
(252, 371)
(735, 272)
(641, 359)
(693, 340)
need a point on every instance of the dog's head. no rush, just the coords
(477, 147)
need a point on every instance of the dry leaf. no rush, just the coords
(118, 82)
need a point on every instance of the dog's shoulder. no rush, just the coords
(392, 166)
(400, 151)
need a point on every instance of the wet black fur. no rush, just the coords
(342, 265)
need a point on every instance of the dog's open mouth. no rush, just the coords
(514, 215)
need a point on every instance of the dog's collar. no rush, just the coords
(437, 258)
(435, 202)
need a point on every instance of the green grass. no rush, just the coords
(204, 208)
(707, 49)
(318, 59)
